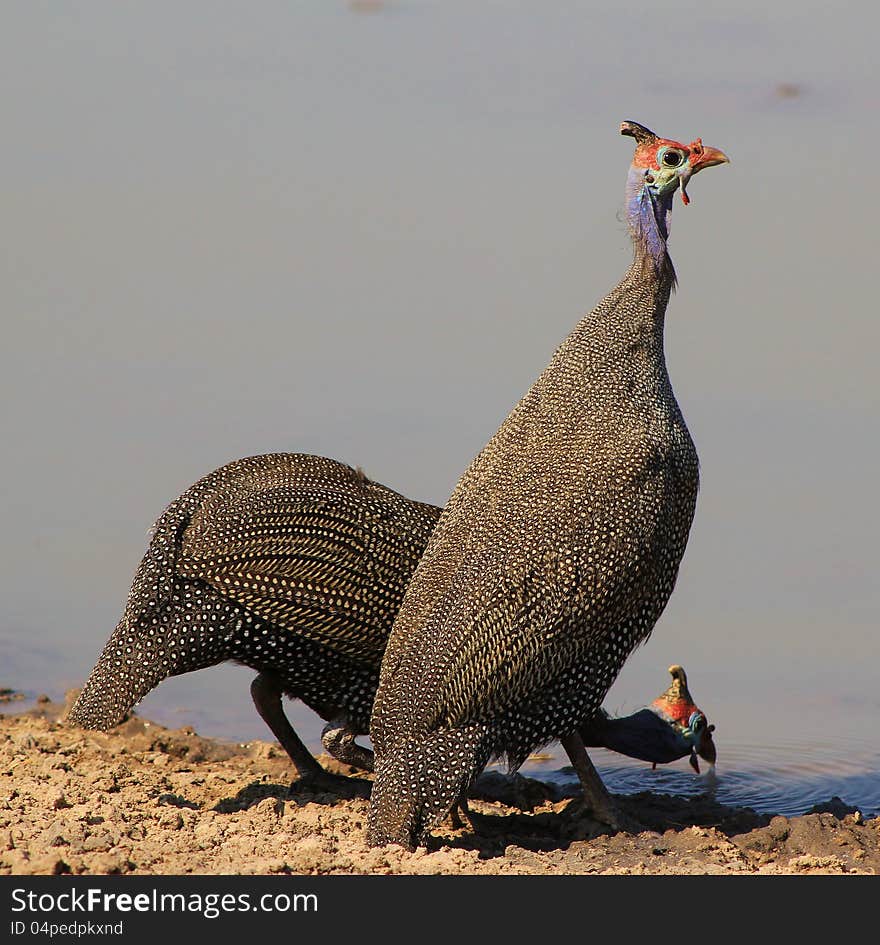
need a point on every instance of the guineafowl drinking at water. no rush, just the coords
(557, 551)
(671, 727)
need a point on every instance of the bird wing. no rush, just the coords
(503, 649)
(519, 632)
(643, 735)
(327, 559)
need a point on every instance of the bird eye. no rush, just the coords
(672, 158)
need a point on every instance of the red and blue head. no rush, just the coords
(677, 708)
(659, 168)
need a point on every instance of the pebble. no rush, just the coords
(60, 802)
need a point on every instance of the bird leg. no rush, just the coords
(461, 815)
(595, 792)
(266, 692)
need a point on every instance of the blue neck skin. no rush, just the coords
(648, 214)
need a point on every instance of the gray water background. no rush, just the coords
(362, 230)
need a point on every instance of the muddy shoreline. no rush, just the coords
(144, 799)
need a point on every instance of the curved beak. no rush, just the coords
(707, 746)
(709, 158)
(705, 749)
(701, 157)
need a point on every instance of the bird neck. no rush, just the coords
(618, 346)
(648, 215)
(623, 335)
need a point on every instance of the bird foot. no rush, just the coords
(461, 816)
(610, 816)
(339, 742)
(455, 819)
(324, 782)
(606, 814)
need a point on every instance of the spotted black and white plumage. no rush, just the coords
(294, 565)
(554, 556)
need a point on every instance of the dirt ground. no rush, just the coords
(150, 800)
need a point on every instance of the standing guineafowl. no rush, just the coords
(557, 551)
(294, 565)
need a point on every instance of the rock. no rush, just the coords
(54, 837)
(109, 863)
(175, 800)
(48, 864)
(99, 843)
(833, 805)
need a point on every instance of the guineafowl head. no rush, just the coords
(677, 707)
(660, 166)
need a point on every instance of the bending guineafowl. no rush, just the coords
(294, 565)
(557, 551)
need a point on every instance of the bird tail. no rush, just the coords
(417, 782)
